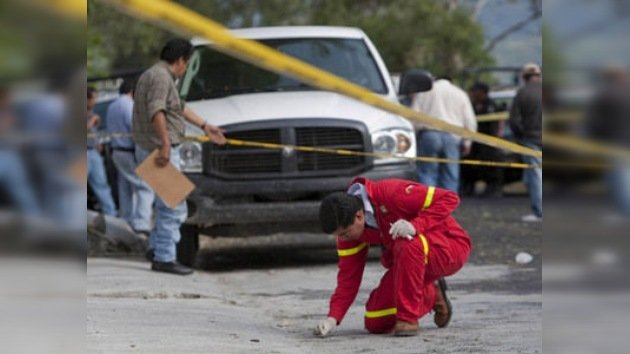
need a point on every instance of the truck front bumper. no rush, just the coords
(215, 202)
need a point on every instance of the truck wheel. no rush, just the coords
(188, 245)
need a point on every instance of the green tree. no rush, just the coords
(553, 62)
(408, 33)
(412, 34)
(118, 42)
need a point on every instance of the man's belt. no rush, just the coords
(124, 149)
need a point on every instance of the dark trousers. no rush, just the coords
(493, 176)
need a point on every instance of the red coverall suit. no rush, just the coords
(407, 290)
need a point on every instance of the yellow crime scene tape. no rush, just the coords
(237, 142)
(584, 146)
(560, 117)
(181, 19)
(273, 146)
(492, 117)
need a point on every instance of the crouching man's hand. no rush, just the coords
(325, 327)
(402, 228)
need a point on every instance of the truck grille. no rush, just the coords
(331, 138)
(242, 162)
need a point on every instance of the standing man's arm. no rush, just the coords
(156, 97)
(500, 128)
(214, 133)
(128, 118)
(470, 123)
(418, 104)
(93, 122)
(159, 125)
(516, 117)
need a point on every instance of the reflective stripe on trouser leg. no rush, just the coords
(380, 313)
(380, 309)
(408, 274)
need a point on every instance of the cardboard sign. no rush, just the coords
(167, 182)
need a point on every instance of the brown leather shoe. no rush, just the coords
(443, 308)
(405, 329)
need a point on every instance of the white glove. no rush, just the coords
(325, 327)
(402, 228)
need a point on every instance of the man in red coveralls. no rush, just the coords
(421, 242)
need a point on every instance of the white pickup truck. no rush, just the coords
(245, 191)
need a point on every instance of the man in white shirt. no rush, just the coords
(451, 104)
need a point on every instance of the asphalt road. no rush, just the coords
(265, 294)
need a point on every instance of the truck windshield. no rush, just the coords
(212, 74)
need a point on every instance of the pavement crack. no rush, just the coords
(152, 295)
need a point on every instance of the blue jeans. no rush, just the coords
(165, 234)
(135, 197)
(620, 183)
(533, 181)
(98, 181)
(442, 145)
(14, 179)
(62, 198)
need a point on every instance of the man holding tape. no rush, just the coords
(421, 242)
(159, 122)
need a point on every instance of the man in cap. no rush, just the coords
(526, 124)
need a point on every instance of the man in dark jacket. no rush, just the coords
(608, 122)
(493, 176)
(526, 124)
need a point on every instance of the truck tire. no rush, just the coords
(188, 245)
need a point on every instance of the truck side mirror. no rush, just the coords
(414, 81)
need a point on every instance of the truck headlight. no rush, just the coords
(403, 142)
(393, 141)
(384, 143)
(190, 156)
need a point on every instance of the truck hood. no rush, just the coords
(285, 105)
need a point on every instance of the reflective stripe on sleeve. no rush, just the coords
(429, 199)
(425, 245)
(351, 251)
(380, 313)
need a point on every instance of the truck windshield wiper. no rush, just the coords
(293, 87)
(217, 92)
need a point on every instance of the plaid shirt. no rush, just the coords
(156, 91)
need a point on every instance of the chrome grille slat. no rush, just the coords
(244, 162)
(330, 138)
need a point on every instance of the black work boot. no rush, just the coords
(443, 308)
(171, 267)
